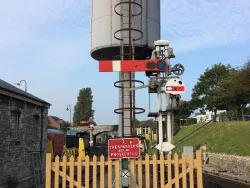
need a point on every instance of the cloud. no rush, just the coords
(53, 30)
(194, 24)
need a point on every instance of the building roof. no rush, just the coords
(14, 90)
(149, 123)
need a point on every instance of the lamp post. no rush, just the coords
(69, 109)
(24, 83)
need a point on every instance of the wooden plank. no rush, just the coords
(184, 171)
(110, 173)
(140, 173)
(87, 172)
(94, 180)
(48, 170)
(199, 169)
(56, 179)
(176, 170)
(71, 172)
(64, 171)
(191, 172)
(102, 174)
(68, 178)
(147, 180)
(117, 173)
(155, 183)
(162, 164)
(79, 172)
(132, 173)
(169, 162)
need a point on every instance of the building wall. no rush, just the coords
(16, 151)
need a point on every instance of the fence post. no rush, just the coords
(56, 179)
(199, 169)
(191, 170)
(48, 170)
(64, 169)
(79, 171)
(176, 170)
(132, 173)
(94, 171)
(87, 171)
(102, 174)
(147, 171)
(184, 171)
(117, 173)
(155, 183)
(162, 165)
(140, 172)
(169, 170)
(71, 171)
(110, 167)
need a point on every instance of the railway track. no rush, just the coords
(221, 181)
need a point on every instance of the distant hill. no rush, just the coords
(221, 137)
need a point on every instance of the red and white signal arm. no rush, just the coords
(175, 86)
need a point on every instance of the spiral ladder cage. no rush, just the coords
(127, 109)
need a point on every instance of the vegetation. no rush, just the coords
(206, 88)
(223, 87)
(220, 137)
(183, 113)
(83, 108)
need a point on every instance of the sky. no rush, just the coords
(47, 43)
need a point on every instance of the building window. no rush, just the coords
(154, 131)
(36, 125)
(14, 124)
(146, 130)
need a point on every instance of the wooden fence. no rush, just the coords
(148, 172)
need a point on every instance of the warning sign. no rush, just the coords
(124, 148)
(175, 86)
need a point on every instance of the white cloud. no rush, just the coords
(194, 24)
(54, 28)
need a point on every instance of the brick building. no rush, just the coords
(57, 123)
(23, 135)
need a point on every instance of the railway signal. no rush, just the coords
(152, 65)
(174, 86)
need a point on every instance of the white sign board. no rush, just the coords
(175, 86)
(165, 146)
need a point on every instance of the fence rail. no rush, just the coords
(150, 171)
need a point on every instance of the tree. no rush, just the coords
(234, 92)
(205, 89)
(83, 108)
(184, 112)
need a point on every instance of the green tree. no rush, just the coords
(184, 111)
(83, 108)
(235, 91)
(206, 88)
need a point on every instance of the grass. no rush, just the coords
(220, 137)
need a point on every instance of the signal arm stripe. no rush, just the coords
(116, 66)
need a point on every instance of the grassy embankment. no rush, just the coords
(223, 137)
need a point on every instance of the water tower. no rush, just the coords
(124, 29)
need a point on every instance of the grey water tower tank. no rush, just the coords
(106, 23)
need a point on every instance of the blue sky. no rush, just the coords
(47, 43)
